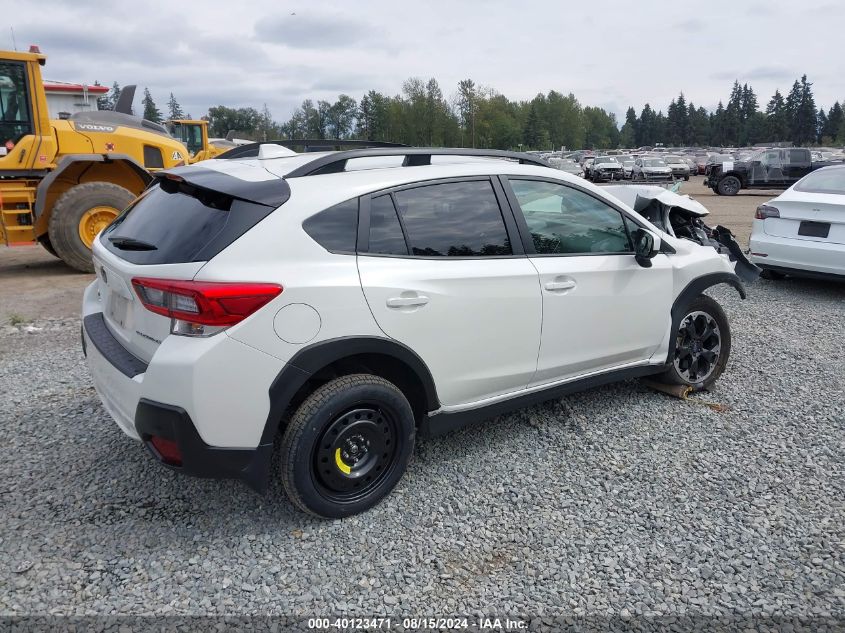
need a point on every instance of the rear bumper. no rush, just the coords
(120, 380)
(793, 255)
(113, 370)
(198, 459)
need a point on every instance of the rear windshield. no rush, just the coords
(172, 223)
(823, 181)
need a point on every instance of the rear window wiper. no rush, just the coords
(131, 244)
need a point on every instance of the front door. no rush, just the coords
(601, 310)
(442, 277)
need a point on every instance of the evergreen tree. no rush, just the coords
(822, 126)
(836, 124)
(174, 110)
(646, 132)
(531, 130)
(777, 123)
(717, 126)
(750, 127)
(628, 134)
(804, 124)
(151, 112)
(103, 101)
(114, 95)
(732, 119)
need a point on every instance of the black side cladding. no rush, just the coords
(111, 349)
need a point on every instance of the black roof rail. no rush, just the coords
(310, 144)
(414, 156)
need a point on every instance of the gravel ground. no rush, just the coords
(617, 502)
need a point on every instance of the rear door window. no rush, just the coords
(172, 223)
(386, 236)
(453, 219)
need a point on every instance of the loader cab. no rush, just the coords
(193, 134)
(15, 111)
(23, 113)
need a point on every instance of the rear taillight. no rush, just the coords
(201, 308)
(766, 211)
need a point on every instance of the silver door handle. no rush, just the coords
(407, 302)
(560, 285)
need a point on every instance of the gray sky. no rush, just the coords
(608, 53)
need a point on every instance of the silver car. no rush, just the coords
(651, 169)
(679, 167)
(568, 165)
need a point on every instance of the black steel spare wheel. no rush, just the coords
(355, 453)
(698, 346)
(347, 445)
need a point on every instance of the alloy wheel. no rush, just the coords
(697, 347)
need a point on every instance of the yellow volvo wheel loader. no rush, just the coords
(62, 181)
(194, 134)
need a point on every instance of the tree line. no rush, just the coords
(479, 116)
(150, 110)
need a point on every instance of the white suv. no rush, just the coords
(348, 301)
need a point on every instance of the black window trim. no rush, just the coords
(27, 79)
(525, 233)
(514, 237)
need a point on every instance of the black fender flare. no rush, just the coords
(690, 292)
(69, 159)
(309, 361)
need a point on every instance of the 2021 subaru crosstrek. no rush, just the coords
(346, 302)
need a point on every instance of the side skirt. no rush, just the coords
(441, 423)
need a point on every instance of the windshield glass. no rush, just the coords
(14, 103)
(606, 159)
(653, 162)
(673, 159)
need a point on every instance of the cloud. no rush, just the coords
(692, 25)
(302, 30)
(226, 54)
(760, 73)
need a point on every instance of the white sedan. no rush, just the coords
(802, 231)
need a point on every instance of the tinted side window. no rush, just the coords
(455, 219)
(336, 228)
(798, 156)
(385, 231)
(563, 220)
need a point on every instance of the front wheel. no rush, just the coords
(347, 446)
(729, 186)
(702, 346)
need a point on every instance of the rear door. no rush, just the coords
(797, 164)
(601, 310)
(443, 275)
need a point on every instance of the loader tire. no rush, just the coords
(45, 242)
(79, 214)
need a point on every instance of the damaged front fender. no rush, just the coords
(682, 217)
